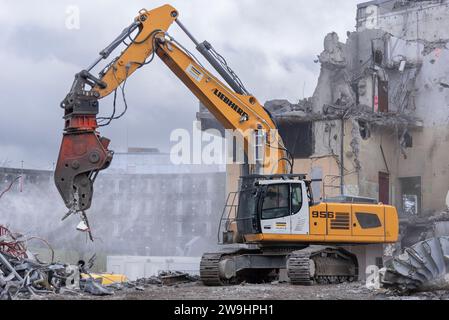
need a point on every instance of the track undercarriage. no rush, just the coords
(305, 266)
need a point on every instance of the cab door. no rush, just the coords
(300, 218)
(275, 209)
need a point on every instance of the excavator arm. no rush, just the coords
(240, 112)
(84, 153)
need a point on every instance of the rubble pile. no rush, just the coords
(420, 228)
(164, 278)
(24, 276)
(21, 272)
(11, 243)
(440, 217)
(422, 267)
(169, 278)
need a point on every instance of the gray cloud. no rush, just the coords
(271, 44)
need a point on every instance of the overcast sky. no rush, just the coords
(270, 44)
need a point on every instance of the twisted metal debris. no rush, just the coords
(11, 244)
(24, 276)
(425, 266)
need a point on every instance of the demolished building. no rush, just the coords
(377, 123)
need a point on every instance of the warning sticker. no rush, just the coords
(281, 225)
(195, 73)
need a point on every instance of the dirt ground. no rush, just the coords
(196, 291)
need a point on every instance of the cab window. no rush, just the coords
(276, 202)
(296, 198)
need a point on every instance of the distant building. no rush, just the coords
(143, 205)
(152, 161)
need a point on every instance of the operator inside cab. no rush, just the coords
(276, 203)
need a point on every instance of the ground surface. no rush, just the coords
(196, 291)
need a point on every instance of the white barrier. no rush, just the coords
(135, 267)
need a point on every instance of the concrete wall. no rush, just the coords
(429, 159)
(426, 20)
(432, 87)
(426, 159)
(367, 156)
(367, 256)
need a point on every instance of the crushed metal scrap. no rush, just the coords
(11, 243)
(422, 267)
(24, 276)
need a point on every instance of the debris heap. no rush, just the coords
(24, 276)
(422, 267)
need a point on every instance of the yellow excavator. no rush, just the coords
(273, 221)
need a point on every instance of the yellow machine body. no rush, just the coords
(342, 224)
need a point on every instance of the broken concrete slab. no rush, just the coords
(93, 287)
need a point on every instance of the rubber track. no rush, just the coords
(298, 269)
(209, 271)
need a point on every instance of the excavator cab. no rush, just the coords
(281, 209)
(270, 204)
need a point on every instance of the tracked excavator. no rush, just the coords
(273, 222)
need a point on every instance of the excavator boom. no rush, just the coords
(84, 153)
